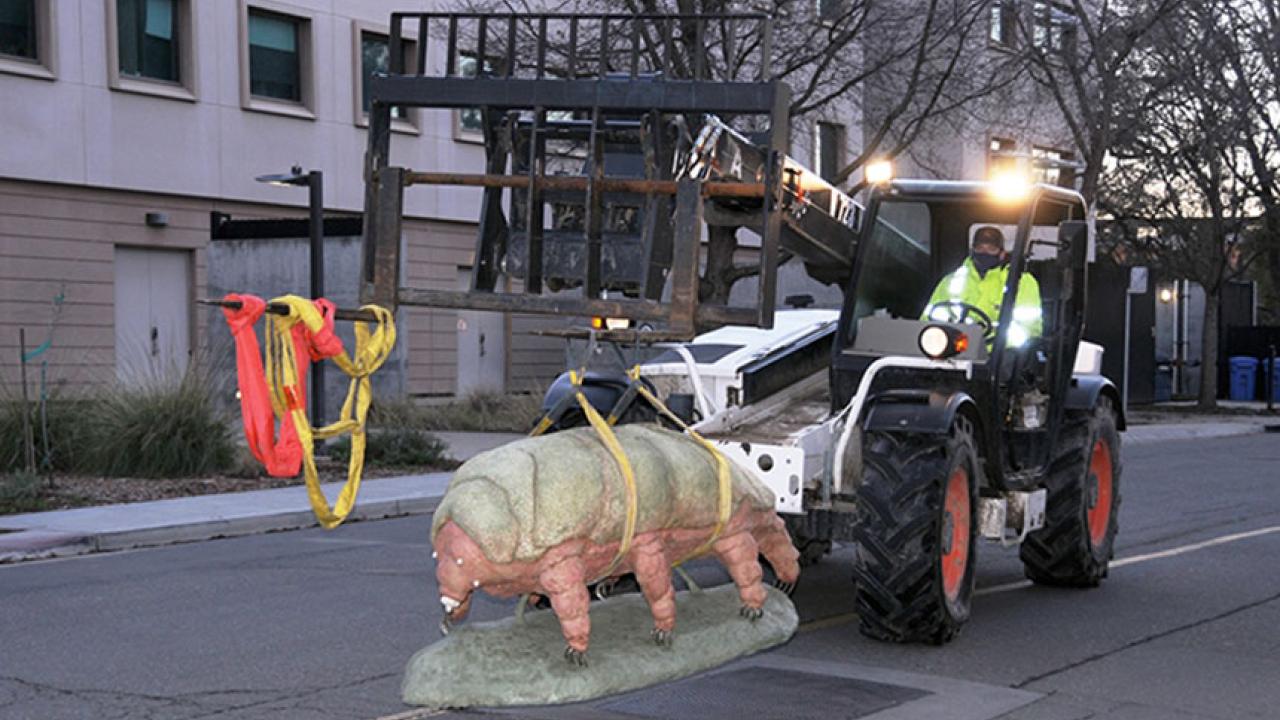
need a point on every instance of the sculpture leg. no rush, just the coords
(739, 554)
(776, 547)
(566, 584)
(653, 572)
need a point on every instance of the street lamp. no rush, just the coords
(313, 180)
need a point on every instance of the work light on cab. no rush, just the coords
(941, 341)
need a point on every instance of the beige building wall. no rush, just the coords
(85, 157)
(61, 239)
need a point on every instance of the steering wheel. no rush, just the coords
(963, 313)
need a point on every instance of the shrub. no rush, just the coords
(21, 492)
(61, 433)
(166, 428)
(484, 412)
(396, 446)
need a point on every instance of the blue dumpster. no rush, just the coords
(1244, 375)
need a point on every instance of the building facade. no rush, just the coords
(125, 123)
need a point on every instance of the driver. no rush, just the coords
(980, 282)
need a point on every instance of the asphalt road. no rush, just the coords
(316, 624)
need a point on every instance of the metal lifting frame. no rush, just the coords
(624, 87)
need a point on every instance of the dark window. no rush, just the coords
(895, 273)
(18, 29)
(830, 150)
(1003, 22)
(375, 58)
(1001, 157)
(1053, 28)
(1054, 167)
(275, 64)
(829, 10)
(148, 39)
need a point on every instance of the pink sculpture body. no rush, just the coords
(579, 549)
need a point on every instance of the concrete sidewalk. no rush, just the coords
(162, 522)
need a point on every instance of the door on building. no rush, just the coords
(482, 347)
(153, 313)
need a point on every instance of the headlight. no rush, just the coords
(941, 341)
(878, 172)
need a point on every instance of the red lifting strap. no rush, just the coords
(283, 458)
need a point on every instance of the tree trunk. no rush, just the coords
(717, 280)
(1208, 399)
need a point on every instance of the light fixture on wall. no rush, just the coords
(1166, 295)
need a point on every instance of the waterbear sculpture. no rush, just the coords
(546, 515)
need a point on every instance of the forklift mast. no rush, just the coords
(607, 155)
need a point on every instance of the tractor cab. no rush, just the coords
(912, 360)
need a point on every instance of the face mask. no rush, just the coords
(984, 262)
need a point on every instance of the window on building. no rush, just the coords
(828, 10)
(1002, 157)
(1053, 167)
(1004, 21)
(18, 37)
(148, 36)
(828, 150)
(1053, 28)
(275, 56)
(26, 38)
(375, 58)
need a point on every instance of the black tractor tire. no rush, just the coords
(914, 560)
(1077, 542)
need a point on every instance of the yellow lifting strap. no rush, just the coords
(724, 479)
(610, 441)
(371, 351)
(602, 427)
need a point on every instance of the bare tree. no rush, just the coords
(1177, 190)
(1250, 78)
(892, 68)
(1088, 62)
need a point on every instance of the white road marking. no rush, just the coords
(1133, 560)
(1196, 546)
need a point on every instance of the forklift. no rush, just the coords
(906, 432)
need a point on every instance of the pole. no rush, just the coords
(315, 182)
(1271, 379)
(1124, 401)
(28, 440)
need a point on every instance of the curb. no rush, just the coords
(43, 544)
(1146, 434)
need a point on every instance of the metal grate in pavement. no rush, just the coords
(760, 693)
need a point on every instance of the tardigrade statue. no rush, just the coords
(547, 515)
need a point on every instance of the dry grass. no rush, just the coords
(479, 412)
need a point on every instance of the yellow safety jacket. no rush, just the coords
(966, 285)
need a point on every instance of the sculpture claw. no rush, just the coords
(786, 587)
(750, 613)
(577, 658)
(663, 638)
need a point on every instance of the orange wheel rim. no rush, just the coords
(955, 528)
(1100, 489)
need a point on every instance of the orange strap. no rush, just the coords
(257, 406)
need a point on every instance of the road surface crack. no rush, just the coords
(1144, 640)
